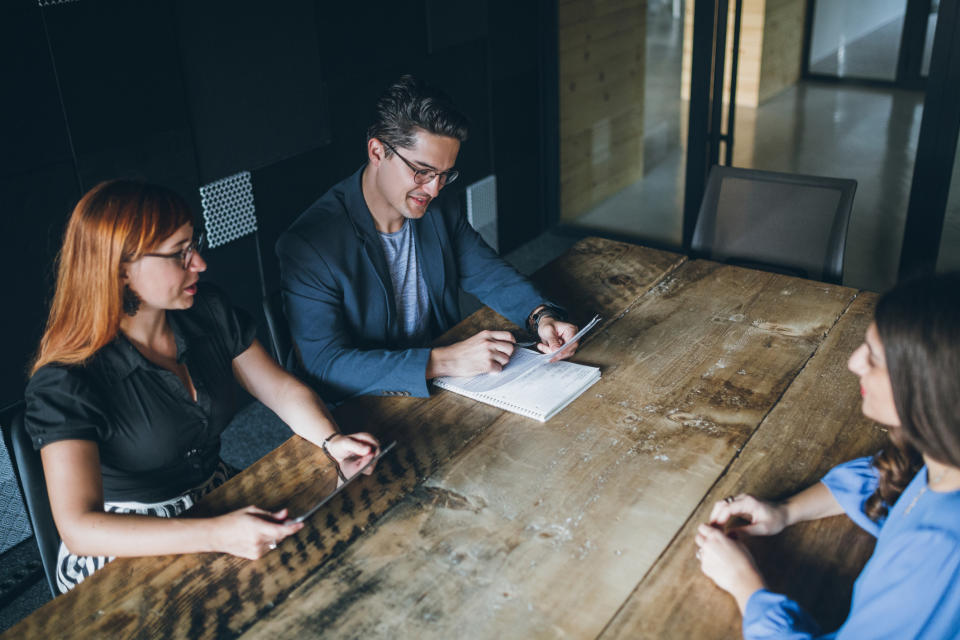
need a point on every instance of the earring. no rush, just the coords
(131, 301)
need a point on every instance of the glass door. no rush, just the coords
(856, 38)
(623, 117)
(949, 257)
(931, 238)
(872, 41)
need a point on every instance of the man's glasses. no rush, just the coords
(185, 255)
(423, 176)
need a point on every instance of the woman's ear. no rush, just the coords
(125, 272)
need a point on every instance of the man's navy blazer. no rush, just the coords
(339, 298)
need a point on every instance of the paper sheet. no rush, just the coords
(522, 362)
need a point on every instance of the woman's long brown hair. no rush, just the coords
(115, 223)
(919, 326)
(896, 464)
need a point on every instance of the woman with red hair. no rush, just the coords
(135, 380)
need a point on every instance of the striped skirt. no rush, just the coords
(72, 569)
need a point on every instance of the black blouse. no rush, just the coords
(155, 442)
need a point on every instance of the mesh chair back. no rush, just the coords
(33, 486)
(777, 221)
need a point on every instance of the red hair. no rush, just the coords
(115, 223)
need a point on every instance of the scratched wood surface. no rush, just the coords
(816, 425)
(544, 530)
(218, 596)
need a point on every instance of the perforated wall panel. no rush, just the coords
(228, 209)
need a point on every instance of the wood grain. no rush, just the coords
(218, 596)
(543, 530)
(815, 426)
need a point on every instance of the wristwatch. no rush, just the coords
(547, 311)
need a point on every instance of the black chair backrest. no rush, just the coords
(781, 222)
(281, 343)
(33, 486)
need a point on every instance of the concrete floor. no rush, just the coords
(866, 134)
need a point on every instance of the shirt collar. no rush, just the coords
(121, 358)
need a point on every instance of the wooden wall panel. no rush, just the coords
(782, 46)
(771, 49)
(601, 44)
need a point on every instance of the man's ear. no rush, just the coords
(376, 153)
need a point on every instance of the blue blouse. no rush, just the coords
(910, 587)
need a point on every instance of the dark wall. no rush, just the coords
(184, 92)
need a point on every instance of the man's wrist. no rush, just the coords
(541, 312)
(435, 363)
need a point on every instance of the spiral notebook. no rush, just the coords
(540, 391)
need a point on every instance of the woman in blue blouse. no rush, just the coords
(907, 495)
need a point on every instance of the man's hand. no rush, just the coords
(555, 334)
(485, 352)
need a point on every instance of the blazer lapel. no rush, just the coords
(430, 255)
(372, 248)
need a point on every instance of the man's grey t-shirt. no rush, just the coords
(409, 289)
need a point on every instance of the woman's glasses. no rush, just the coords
(185, 255)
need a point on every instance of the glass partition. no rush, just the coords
(856, 38)
(949, 257)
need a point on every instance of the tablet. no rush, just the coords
(328, 497)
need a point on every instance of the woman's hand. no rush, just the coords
(761, 518)
(352, 452)
(728, 563)
(251, 532)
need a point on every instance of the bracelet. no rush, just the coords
(323, 445)
(548, 311)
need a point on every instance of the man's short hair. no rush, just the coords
(409, 104)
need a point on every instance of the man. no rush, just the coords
(371, 270)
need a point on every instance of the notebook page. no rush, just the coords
(552, 385)
(522, 362)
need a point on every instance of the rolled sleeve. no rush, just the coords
(771, 615)
(488, 277)
(851, 483)
(62, 405)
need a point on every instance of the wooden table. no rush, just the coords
(485, 524)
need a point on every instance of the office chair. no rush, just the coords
(779, 222)
(33, 487)
(281, 343)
